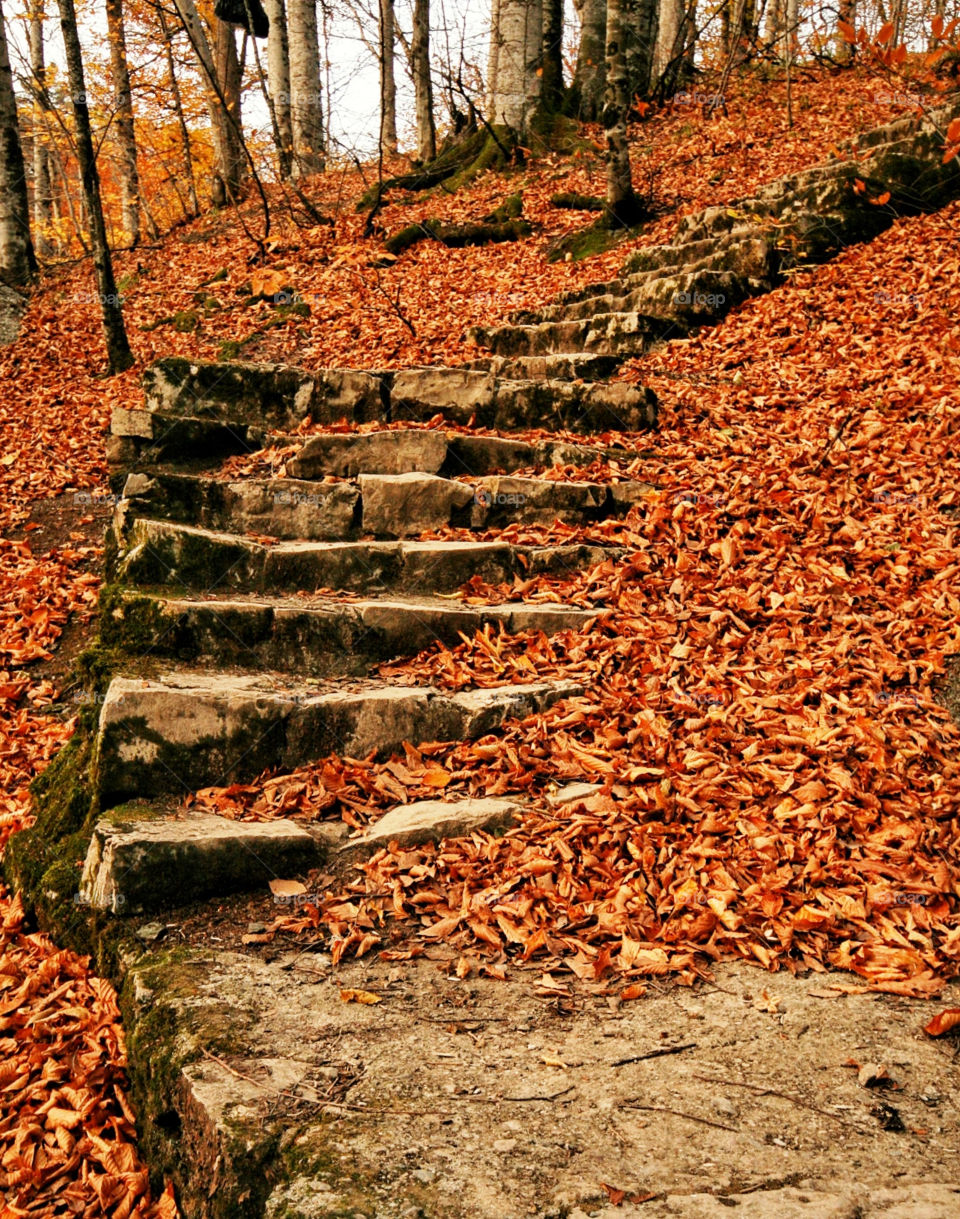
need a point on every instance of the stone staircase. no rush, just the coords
(245, 615)
(723, 255)
(249, 611)
(279, 534)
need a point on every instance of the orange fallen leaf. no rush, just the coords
(360, 996)
(943, 1022)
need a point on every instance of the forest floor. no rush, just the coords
(826, 412)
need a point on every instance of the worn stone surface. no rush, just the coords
(346, 455)
(164, 553)
(476, 1099)
(141, 862)
(281, 507)
(431, 820)
(321, 637)
(261, 394)
(404, 505)
(184, 730)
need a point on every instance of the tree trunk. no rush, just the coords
(227, 168)
(174, 84)
(278, 75)
(518, 34)
(589, 79)
(641, 41)
(17, 259)
(388, 78)
(773, 29)
(622, 206)
(551, 57)
(670, 40)
(306, 110)
(119, 354)
(42, 182)
(791, 23)
(125, 133)
(422, 84)
(847, 11)
(229, 76)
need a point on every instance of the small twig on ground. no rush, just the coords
(553, 1096)
(704, 1121)
(760, 1090)
(661, 1053)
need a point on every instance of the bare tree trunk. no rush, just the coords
(551, 81)
(278, 75)
(388, 77)
(791, 24)
(422, 83)
(227, 164)
(119, 354)
(17, 259)
(773, 28)
(641, 41)
(847, 11)
(42, 184)
(306, 109)
(493, 61)
(186, 153)
(125, 133)
(670, 33)
(622, 206)
(589, 79)
(229, 74)
(519, 36)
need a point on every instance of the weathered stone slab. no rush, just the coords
(140, 864)
(482, 455)
(267, 395)
(316, 639)
(401, 505)
(430, 1126)
(186, 730)
(166, 554)
(432, 820)
(152, 437)
(279, 507)
(393, 452)
(458, 393)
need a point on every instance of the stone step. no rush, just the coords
(570, 366)
(272, 397)
(183, 730)
(154, 437)
(322, 637)
(141, 861)
(166, 554)
(753, 259)
(430, 451)
(603, 334)
(376, 505)
(667, 306)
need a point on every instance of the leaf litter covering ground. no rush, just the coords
(67, 1035)
(779, 782)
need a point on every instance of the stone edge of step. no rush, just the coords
(219, 855)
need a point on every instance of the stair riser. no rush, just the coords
(167, 741)
(341, 640)
(383, 508)
(178, 559)
(247, 396)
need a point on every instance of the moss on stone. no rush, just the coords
(186, 320)
(585, 243)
